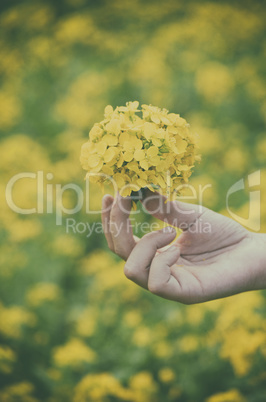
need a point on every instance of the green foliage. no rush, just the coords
(72, 328)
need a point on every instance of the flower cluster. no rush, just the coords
(156, 151)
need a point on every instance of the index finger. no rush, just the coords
(120, 227)
(175, 213)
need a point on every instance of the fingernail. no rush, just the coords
(172, 249)
(168, 229)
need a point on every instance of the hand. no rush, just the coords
(214, 257)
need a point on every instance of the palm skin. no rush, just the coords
(214, 257)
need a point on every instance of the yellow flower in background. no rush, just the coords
(66, 245)
(12, 320)
(132, 318)
(155, 151)
(162, 349)
(74, 353)
(18, 392)
(166, 375)
(11, 260)
(9, 110)
(57, 80)
(189, 343)
(214, 81)
(7, 358)
(239, 346)
(96, 262)
(86, 322)
(232, 395)
(143, 386)
(142, 336)
(42, 292)
(96, 387)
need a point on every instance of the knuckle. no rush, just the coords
(129, 272)
(154, 287)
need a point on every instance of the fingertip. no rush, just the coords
(107, 201)
(168, 230)
(123, 203)
(108, 197)
(169, 256)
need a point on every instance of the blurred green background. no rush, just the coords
(72, 328)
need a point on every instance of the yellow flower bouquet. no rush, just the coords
(156, 150)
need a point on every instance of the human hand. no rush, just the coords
(214, 257)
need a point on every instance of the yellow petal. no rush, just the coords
(110, 139)
(181, 145)
(134, 185)
(143, 175)
(94, 160)
(170, 159)
(126, 191)
(87, 149)
(173, 129)
(180, 121)
(160, 167)
(161, 181)
(156, 142)
(128, 146)
(137, 143)
(96, 132)
(120, 161)
(133, 166)
(109, 154)
(141, 182)
(97, 168)
(155, 119)
(100, 147)
(155, 160)
(118, 178)
(123, 109)
(123, 137)
(108, 170)
(139, 155)
(108, 111)
(113, 127)
(144, 164)
(165, 120)
(152, 151)
(134, 206)
(128, 156)
(134, 105)
(91, 178)
(148, 130)
(184, 168)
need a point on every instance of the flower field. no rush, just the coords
(72, 327)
